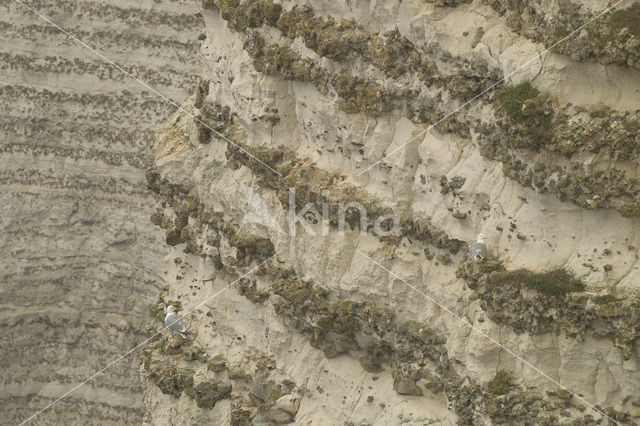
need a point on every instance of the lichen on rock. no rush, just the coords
(208, 392)
(551, 300)
(611, 39)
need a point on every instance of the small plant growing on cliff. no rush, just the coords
(501, 383)
(490, 267)
(627, 18)
(604, 299)
(557, 282)
(512, 98)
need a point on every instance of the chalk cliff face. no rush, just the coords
(310, 107)
(305, 324)
(80, 261)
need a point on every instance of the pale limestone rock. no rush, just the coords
(312, 126)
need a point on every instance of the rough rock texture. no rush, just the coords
(612, 39)
(302, 99)
(535, 303)
(523, 140)
(80, 261)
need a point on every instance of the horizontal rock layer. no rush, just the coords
(80, 260)
(305, 103)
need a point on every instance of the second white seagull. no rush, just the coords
(173, 322)
(479, 249)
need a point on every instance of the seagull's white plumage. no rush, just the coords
(479, 249)
(173, 322)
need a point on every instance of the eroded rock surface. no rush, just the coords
(299, 100)
(80, 260)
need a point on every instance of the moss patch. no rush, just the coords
(556, 282)
(501, 383)
(489, 267)
(512, 99)
(604, 299)
(627, 18)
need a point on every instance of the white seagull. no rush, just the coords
(173, 322)
(479, 249)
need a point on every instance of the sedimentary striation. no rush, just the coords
(310, 208)
(320, 206)
(80, 260)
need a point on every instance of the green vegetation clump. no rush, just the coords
(627, 18)
(512, 98)
(490, 267)
(604, 299)
(500, 383)
(556, 282)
